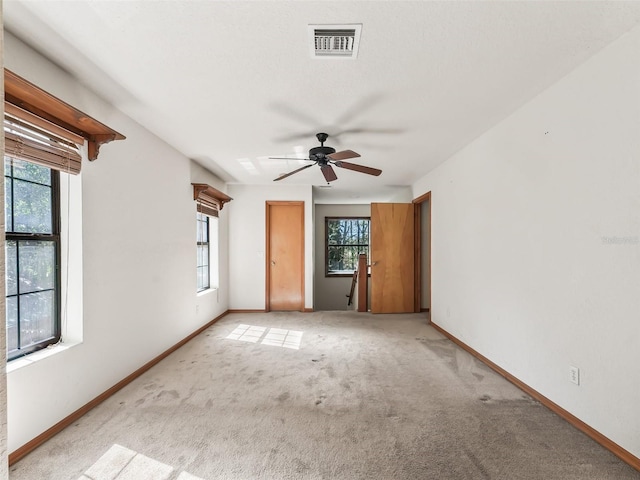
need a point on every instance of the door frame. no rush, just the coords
(418, 253)
(267, 256)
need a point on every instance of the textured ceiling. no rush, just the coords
(230, 83)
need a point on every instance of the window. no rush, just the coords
(43, 136)
(346, 238)
(209, 203)
(32, 254)
(203, 282)
(207, 251)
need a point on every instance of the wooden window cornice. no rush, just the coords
(210, 196)
(27, 96)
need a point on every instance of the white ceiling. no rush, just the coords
(230, 83)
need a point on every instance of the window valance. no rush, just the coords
(210, 200)
(33, 115)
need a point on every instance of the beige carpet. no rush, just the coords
(321, 396)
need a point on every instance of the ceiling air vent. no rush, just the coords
(335, 41)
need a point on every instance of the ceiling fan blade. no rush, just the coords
(376, 131)
(329, 173)
(343, 155)
(358, 168)
(296, 136)
(291, 173)
(294, 113)
(290, 158)
(359, 107)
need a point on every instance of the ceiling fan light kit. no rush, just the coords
(325, 157)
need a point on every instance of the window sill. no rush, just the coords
(206, 292)
(35, 357)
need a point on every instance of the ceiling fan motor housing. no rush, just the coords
(319, 153)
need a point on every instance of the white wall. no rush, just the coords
(536, 242)
(330, 292)
(139, 262)
(247, 236)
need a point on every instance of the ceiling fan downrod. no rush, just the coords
(322, 137)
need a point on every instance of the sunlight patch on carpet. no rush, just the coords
(279, 337)
(120, 463)
(247, 333)
(275, 337)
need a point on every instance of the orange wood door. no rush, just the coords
(285, 256)
(392, 262)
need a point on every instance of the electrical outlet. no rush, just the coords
(574, 375)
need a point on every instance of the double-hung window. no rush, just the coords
(204, 253)
(36, 151)
(32, 251)
(346, 238)
(207, 252)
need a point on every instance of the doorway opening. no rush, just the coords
(422, 245)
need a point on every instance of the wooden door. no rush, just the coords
(285, 256)
(392, 262)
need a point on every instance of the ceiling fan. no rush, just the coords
(325, 157)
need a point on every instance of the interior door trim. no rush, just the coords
(267, 256)
(417, 270)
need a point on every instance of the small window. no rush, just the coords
(203, 272)
(210, 202)
(346, 238)
(32, 251)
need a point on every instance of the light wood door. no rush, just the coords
(285, 256)
(392, 258)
